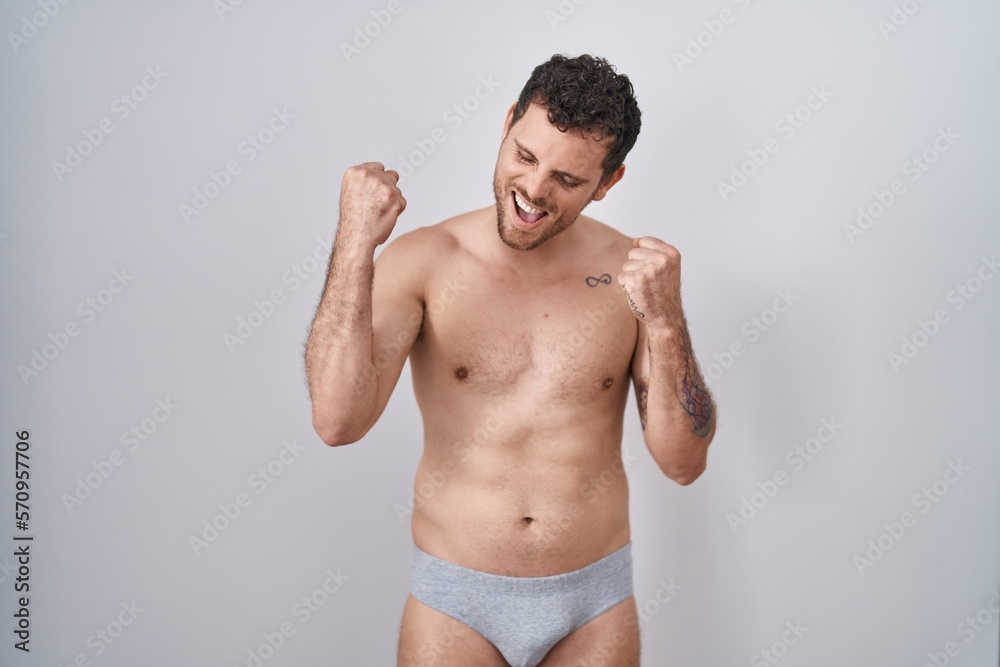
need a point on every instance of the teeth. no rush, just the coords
(525, 206)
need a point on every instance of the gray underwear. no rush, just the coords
(523, 617)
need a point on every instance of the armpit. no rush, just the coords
(642, 398)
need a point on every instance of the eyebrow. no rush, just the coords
(565, 174)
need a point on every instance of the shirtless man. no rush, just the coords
(523, 323)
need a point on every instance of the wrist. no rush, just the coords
(353, 249)
(663, 331)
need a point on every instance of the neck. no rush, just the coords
(549, 258)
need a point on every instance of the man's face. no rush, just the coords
(544, 178)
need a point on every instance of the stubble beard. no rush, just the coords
(508, 232)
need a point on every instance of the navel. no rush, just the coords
(527, 520)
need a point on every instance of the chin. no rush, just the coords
(520, 234)
(520, 239)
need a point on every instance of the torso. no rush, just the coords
(522, 385)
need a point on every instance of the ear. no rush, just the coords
(603, 188)
(507, 121)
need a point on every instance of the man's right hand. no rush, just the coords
(370, 202)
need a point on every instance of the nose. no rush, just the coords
(534, 186)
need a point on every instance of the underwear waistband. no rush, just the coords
(616, 564)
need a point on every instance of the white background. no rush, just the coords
(164, 335)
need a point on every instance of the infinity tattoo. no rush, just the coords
(594, 282)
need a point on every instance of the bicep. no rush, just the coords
(397, 312)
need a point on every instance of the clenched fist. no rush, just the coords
(651, 278)
(370, 202)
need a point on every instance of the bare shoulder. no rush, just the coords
(415, 245)
(412, 259)
(416, 251)
(432, 244)
(606, 241)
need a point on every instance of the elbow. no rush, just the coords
(335, 438)
(341, 422)
(685, 478)
(685, 475)
(691, 470)
(335, 433)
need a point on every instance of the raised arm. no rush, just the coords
(368, 316)
(675, 406)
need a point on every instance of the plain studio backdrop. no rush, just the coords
(169, 192)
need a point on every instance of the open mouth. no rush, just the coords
(527, 213)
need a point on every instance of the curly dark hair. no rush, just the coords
(585, 94)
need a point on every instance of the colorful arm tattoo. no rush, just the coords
(694, 398)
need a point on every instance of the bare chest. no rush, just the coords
(566, 341)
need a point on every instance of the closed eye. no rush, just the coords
(565, 180)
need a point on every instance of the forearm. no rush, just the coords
(343, 384)
(679, 413)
